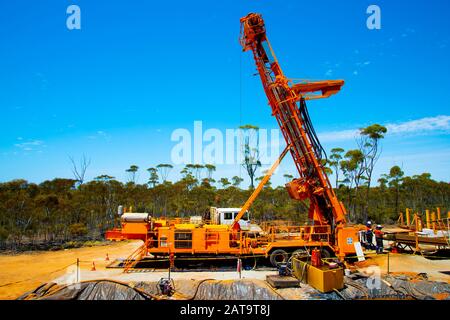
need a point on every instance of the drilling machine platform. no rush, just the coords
(328, 232)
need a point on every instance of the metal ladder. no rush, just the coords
(134, 258)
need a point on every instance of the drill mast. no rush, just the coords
(288, 103)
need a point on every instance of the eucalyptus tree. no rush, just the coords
(224, 182)
(79, 170)
(335, 158)
(369, 144)
(250, 146)
(153, 179)
(132, 170)
(352, 167)
(236, 181)
(210, 168)
(395, 178)
(164, 170)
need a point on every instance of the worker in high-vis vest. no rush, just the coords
(379, 238)
(369, 235)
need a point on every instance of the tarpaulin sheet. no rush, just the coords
(356, 287)
(395, 287)
(184, 289)
(92, 290)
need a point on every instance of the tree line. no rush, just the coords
(62, 210)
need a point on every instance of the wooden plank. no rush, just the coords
(396, 230)
(277, 281)
(405, 238)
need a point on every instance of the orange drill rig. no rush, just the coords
(196, 237)
(288, 103)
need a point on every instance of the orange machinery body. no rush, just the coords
(165, 237)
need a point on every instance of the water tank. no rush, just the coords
(135, 217)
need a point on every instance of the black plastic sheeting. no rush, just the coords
(356, 287)
(209, 289)
(184, 290)
(90, 290)
(398, 287)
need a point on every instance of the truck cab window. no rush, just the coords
(244, 217)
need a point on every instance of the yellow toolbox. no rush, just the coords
(321, 278)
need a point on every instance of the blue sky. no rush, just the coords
(137, 70)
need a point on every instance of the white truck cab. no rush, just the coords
(227, 215)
